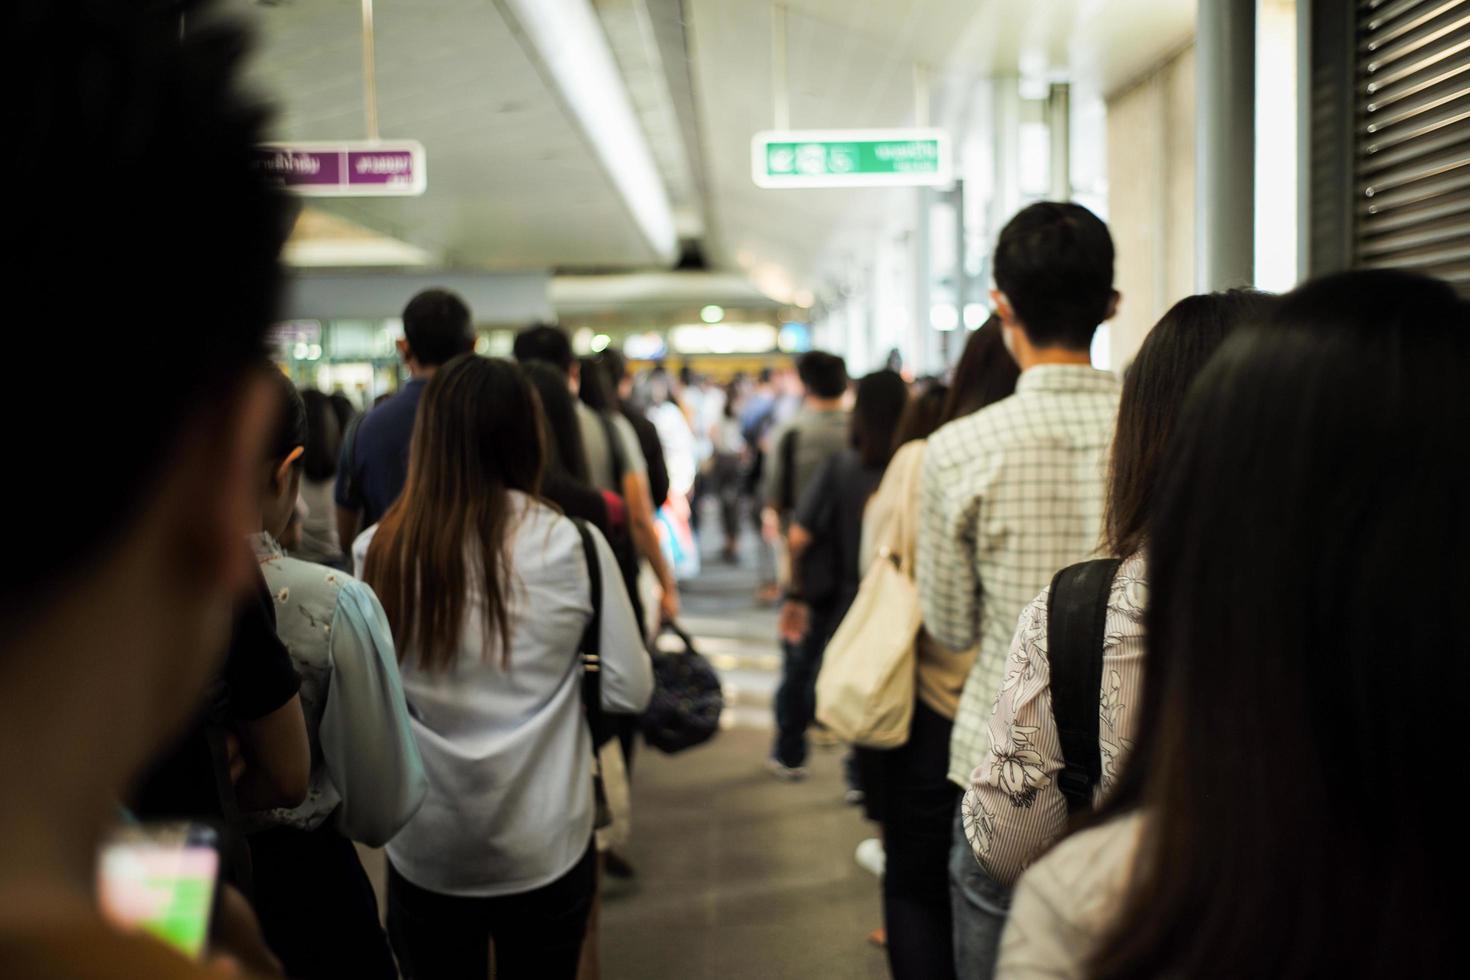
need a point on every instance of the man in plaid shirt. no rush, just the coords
(1013, 493)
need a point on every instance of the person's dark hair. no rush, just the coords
(345, 411)
(594, 388)
(1172, 354)
(1054, 262)
(615, 364)
(881, 399)
(985, 374)
(323, 436)
(823, 374)
(290, 430)
(565, 455)
(1307, 580)
(477, 437)
(923, 415)
(111, 88)
(543, 342)
(438, 327)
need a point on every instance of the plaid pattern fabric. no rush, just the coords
(1011, 494)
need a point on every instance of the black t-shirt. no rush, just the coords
(831, 508)
(257, 678)
(653, 455)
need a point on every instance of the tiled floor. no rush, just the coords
(739, 875)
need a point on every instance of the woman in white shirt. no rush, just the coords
(488, 592)
(1288, 810)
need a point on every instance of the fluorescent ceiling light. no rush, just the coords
(565, 38)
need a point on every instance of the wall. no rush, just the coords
(493, 297)
(1151, 127)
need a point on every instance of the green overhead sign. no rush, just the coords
(851, 158)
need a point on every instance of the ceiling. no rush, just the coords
(513, 184)
(852, 64)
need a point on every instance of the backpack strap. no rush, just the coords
(1076, 631)
(591, 643)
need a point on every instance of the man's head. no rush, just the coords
(823, 375)
(1054, 275)
(437, 328)
(543, 342)
(134, 588)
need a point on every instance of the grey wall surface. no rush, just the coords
(519, 297)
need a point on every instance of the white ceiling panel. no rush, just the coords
(511, 183)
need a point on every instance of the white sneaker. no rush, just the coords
(790, 774)
(871, 857)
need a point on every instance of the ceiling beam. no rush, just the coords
(566, 42)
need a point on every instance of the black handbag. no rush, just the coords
(687, 699)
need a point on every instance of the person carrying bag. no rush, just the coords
(865, 691)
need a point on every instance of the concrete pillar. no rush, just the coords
(1225, 45)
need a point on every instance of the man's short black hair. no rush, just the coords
(1054, 262)
(180, 239)
(543, 342)
(438, 327)
(823, 374)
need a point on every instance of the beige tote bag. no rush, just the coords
(865, 691)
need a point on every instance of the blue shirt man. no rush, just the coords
(437, 327)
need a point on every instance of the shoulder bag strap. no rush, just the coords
(591, 645)
(1076, 631)
(349, 461)
(615, 451)
(788, 470)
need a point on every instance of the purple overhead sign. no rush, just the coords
(380, 169)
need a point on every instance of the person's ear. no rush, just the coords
(281, 473)
(574, 377)
(404, 351)
(1003, 309)
(1113, 303)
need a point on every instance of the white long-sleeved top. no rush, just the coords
(504, 740)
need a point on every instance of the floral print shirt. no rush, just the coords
(365, 763)
(1014, 808)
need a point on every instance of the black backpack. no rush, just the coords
(1076, 630)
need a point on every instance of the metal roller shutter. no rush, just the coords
(1412, 160)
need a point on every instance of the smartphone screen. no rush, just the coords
(159, 879)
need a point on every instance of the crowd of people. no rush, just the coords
(1148, 723)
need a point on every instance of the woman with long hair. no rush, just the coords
(489, 593)
(1017, 801)
(1288, 810)
(918, 804)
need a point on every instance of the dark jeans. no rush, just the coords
(918, 810)
(980, 905)
(537, 934)
(796, 697)
(316, 906)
